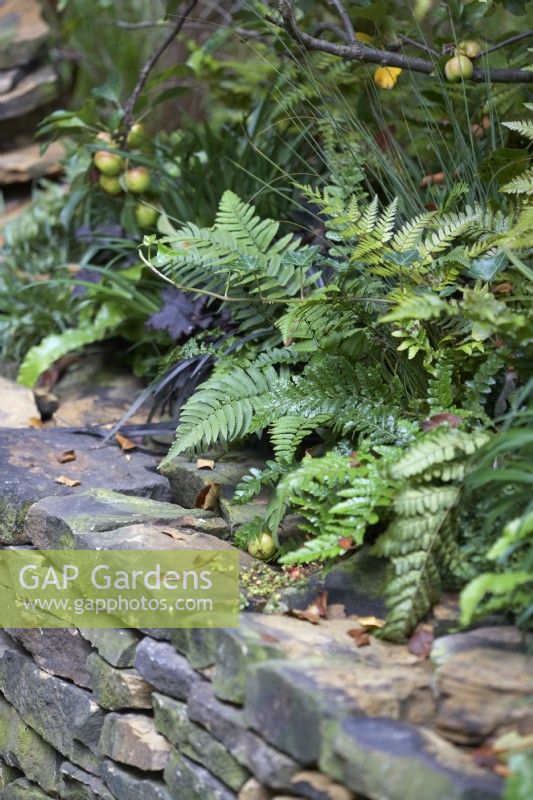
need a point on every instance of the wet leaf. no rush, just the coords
(64, 480)
(345, 542)
(315, 612)
(124, 442)
(371, 622)
(208, 497)
(421, 641)
(361, 637)
(67, 456)
(439, 419)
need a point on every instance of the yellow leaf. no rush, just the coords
(386, 77)
(363, 37)
(64, 480)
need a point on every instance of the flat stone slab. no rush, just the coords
(23, 749)
(75, 784)
(129, 785)
(484, 691)
(22, 165)
(7, 774)
(17, 405)
(133, 739)
(61, 652)
(116, 645)
(116, 689)
(63, 714)
(190, 781)
(88, 520)
(164, 669)
(23, 789)
(23, 32)
(287, 703)
(34, 90)
(226, 723)
(29, 469)
(382, 758)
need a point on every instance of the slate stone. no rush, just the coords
(116, 689)
(482, 692)
(198, 645)
(163, 668)
(17, 405)
(226, 723)
(75, 784)
(7, 774)
(189, 781)
(64, 715)
(25, 750)
(384, 759)
(504, 638)
(133, 739)
(116, 645)
(252, 790)
(129, 785)
(24, 32)
(29, 467)
(261, 638)
(88, 520)
(317, 786)
(288, 702)
(195, 742)
(62, 652)
(23, 789)
(187, 480)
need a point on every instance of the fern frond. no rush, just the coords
(523, 127)
(287, 433)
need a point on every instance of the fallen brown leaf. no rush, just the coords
(64, 480)
(421, 641)
(315, 612)
(438, 419)
(371, 622)
(435, 179)
(67, 456)
(503, 288)
(175, 534)
(205, 463)
(124, 442)
(208, 497)
(345, 542)
(35, 422)
(362, 639)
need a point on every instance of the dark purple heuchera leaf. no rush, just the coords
(180, 315)
(85, 274)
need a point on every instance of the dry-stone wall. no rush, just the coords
(278, 708)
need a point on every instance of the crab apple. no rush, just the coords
(108, 163)
(138, 179)
(470, 48)
(145, 215)
(458, 67)
(110, 184)
(263, 546)
(136, 135)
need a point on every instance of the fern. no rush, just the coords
(421, 540)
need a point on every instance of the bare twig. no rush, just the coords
(329, 26)
(147, 68)
(346, 21)
(359, 51)
(505, 43)
(426, 48)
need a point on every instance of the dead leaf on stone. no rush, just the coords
(208, 497)
(67, 456)
(267, 637)
(64, 480)
(370, 622)
(421, 641)
(489, 758)
(175, 534)
(360, 636)
(35, 422)
(205, 463)
(124, 442)
(336, 611)
(315, 612)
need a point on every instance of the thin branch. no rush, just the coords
(426, 48)
(505, 43)
(358, 51)
(329, 26)
(345, 19)
(147, 68)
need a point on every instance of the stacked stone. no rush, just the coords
(273, 710)
(28, 84)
